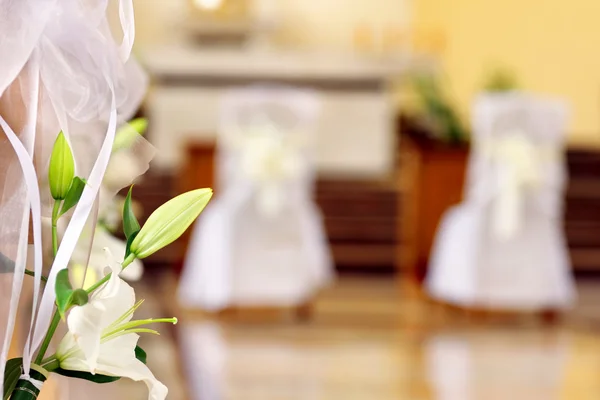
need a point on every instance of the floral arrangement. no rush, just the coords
(67, 83)
(101, 341)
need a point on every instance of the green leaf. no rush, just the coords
(64, 292)
(129, 133)
(12, 373)
(169, 221)
(97, 378)
(140, 354)
(128, 246)
(62, 168)
(130, 222)
(6, 264)
(73, 195)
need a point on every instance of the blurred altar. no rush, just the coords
(198, 51)
(231, 44)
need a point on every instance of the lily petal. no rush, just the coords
(86, 331)
(112, 286)
(117, 358)
(117, 300)
(86, 323)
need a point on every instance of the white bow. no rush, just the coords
(269, 159)
(519, 170)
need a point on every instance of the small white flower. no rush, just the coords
(102, 336)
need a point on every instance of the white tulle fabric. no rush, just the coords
(504, 246)
(61, 69)
(260, 242)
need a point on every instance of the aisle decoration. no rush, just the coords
(66, 86)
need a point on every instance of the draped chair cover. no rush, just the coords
(261, 241)
(504, 245)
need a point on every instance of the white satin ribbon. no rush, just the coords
(126, 16)
(25, 156)
(37, 384)
(519, 165)
(33, 194)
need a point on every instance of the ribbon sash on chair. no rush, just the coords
(519, 166)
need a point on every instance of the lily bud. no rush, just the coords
(128, 133)
(62, 168)
(169, 221)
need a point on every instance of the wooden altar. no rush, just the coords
(430, 180)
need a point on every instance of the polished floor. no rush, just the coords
(367, 339)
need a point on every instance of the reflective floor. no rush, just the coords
(366, 340)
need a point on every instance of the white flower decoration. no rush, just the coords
(102, 336)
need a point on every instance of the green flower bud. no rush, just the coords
(129, 133)
(169, 221)
(62, 168)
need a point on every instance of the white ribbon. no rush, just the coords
(25, 159)
(37, 384)
(33, 194)
(126, 16)
(519, 165)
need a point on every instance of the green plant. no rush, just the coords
(438, 110)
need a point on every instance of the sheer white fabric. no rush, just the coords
(504, 246)
(261, 240)
(61, 69)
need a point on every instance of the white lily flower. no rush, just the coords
(102, 336)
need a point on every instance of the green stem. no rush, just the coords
(48, 337)
(56, 316)
(55, 211)
(102, 281)
(31, 273)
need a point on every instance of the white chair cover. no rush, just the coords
(260, 242)
(504, 246)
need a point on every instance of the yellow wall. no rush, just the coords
(331, 24)
(553, 46)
